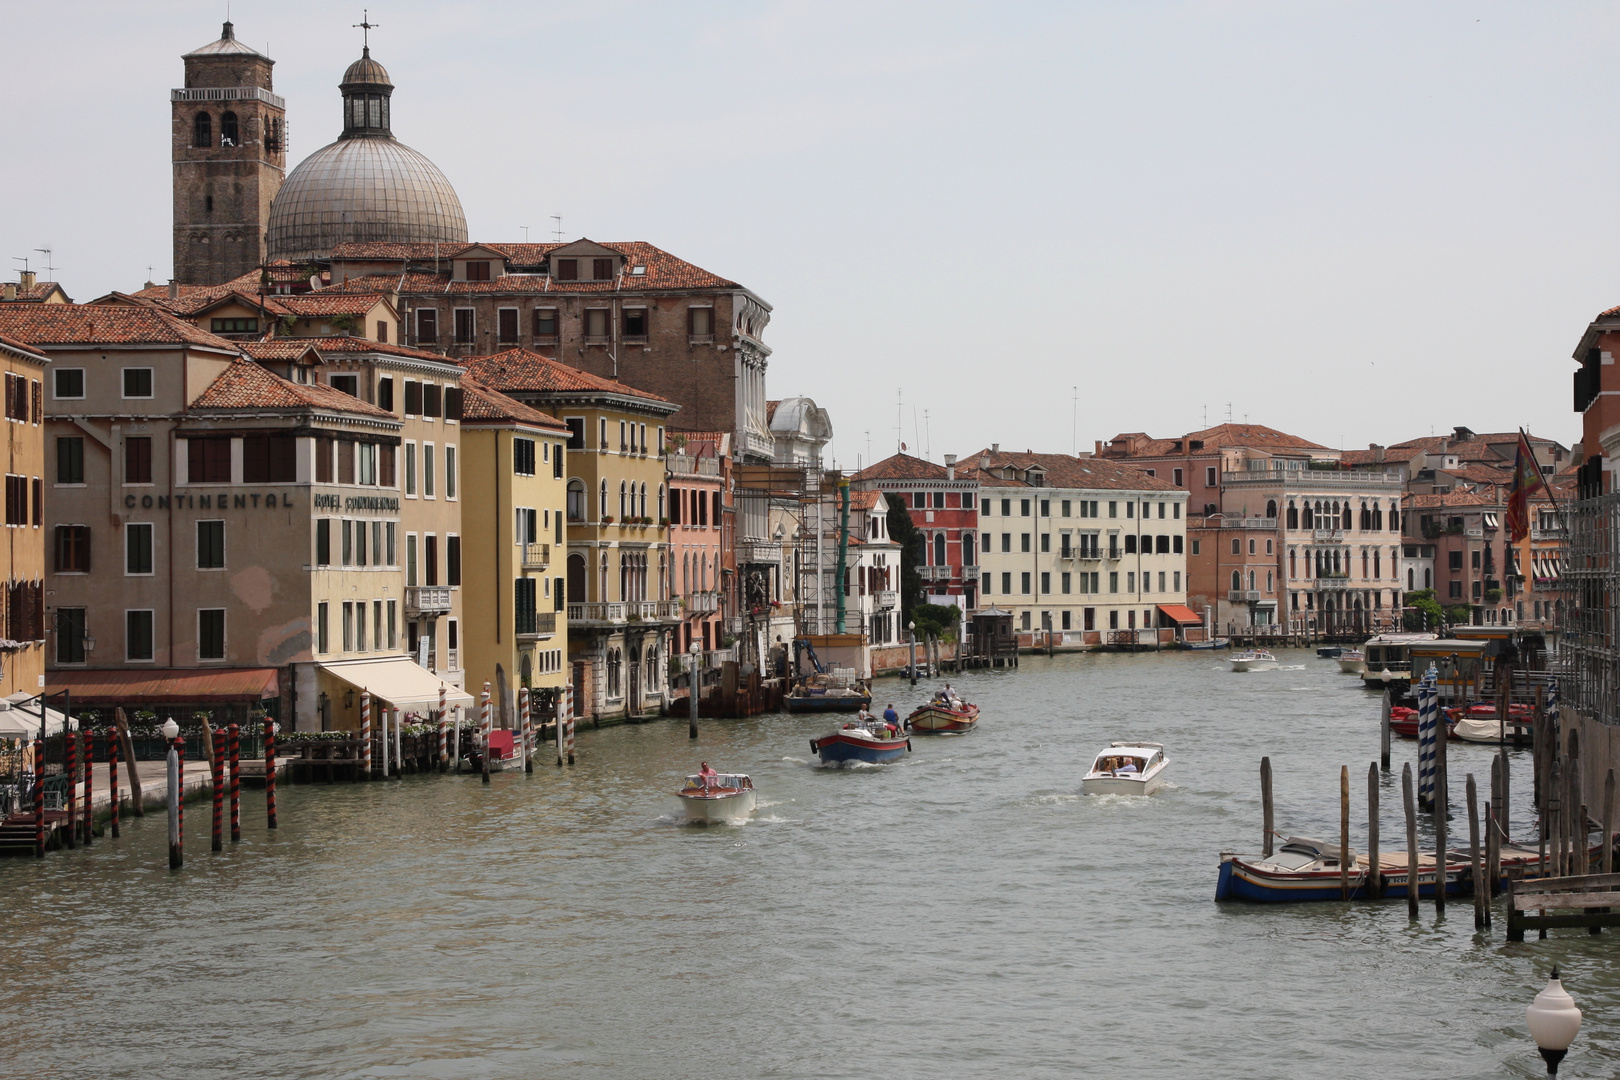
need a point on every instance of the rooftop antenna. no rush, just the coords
(22, 259)
(556, 231)
(868, 442)
(365, 26)
(525, 229)
(899, 412)
(1228, 412)
(928, 437)
(49, 269)
(1206, 414)
(916, 433)
(1074, 420)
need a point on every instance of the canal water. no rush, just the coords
(962, 913)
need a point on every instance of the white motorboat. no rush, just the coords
(1254, 660)
(1352, 661)
(722, 797)
(1127, 768)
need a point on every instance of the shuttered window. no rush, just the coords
(209, 461)
(138, 459)
(269, 459)
(523, 605)
(323, 461)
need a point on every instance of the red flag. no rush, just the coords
(1527, 480)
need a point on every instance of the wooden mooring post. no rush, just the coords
(1495, 829)
(1481, 906)
(112, 778)
(127, 744)
(1344, 832)
(1608, 823)
(1383, 741)
(1442, 808)
(1410, 798)
(1265, 807)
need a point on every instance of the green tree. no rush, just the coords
(937, 619)
(1459, 615)
(1424, 611)
(912, 555)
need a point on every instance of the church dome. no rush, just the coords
(367, 186)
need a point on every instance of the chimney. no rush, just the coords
(1378, 452)
(174, 289)
(27, 277)
(10, 292)
(950, 466)
(1098, 443)
(995, 448)
(984, 463)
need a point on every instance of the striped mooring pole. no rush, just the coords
(236, 783)
(444, 751)
(365, 734)
(219, 790)
(39, 798)
(112, 777)
(270, 771)
(87, 766)
(71, 774)
(529, 746)
(483, 729)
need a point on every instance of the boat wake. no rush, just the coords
(1049, 798)
(795, 760)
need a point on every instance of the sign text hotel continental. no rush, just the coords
(254, 500)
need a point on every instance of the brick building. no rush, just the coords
(944, 508)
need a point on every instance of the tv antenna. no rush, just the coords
(49, 269)
(556, 230)
(22, 259)
(365, 26)
(525, 229)
(1074, 419)
(1228, 412)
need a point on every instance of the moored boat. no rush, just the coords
(824, 693)
(868, 740)
(1352, 661)
(1404, 722)
(1304, 869)
(1482, 724)
(944, 714)
(1127, 768)
(712, 796)
(1217, 643)
(1254, 660)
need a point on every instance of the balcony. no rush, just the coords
(1326, 534)
(679, 464)
(1263, 523)
(545, 625)
(936, 573)
(887, 599)
(1243, 596)
(970, 571)
(758, 551)
(536, 556)
(702, 603)
(596, 614)
(427, 600)
(651, 610)
(1306, 479)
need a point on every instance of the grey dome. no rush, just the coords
(366, 189)
(366, 72)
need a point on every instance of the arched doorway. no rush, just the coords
(576, 579)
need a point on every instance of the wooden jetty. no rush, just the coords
(1594, 900)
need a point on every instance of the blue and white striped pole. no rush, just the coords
(1428, 711)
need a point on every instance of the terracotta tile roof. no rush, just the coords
(663, 270)
(101, 324)
(480, 403)
(37, 293)
(1391, 455)
(1479, 473)
(21, 346)
(523, 370)
(863, 500)
(902, 467)
(1221, 436)
(325, 302)
(248, 385)
(278, 348)
(339, 344)
(1449, 500)
(1062, 471)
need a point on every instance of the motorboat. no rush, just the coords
(1127, 768)
(1304, 869)
(1330, 652)
(1404, 722)
(1254, 660)
(1217, 643)
(944, 714)
(1482, 724)
(1352, 661)
(865, 739)
(826, 693)
(711, 797)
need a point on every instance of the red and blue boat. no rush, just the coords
(868, 740)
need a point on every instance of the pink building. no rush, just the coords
(697, 464)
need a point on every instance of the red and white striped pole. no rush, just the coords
(444, 759)
(365, 733)
(89, 787)
(483, 729)
(270, 771)
(528, 762)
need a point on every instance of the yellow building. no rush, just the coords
(22, 605)
(620, 615)
(512, 587)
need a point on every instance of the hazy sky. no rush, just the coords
(1353, 222)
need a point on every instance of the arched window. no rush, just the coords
(1394, 516)
(1377, 563)
(1366, 518)
(1237, 581)
(202, 131)
(1251, 579)
(576, 500)
(1292, 566)
(663, 514)
(967, 549)
(1310, 518)
(939, 549)
(1344, 521)
(1271, 509)
(686, 572)
(227, 130)
(643, 510)
(601, 501)
(576, 579)
(624, 515)
(1411, 579)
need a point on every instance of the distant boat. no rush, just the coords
(1254, 660)
(1330, 652)
(868, 740)
(1217, 643)
(943, 715)
(717, 797)
(821, 693)
(1127, 768)
(1352, 661)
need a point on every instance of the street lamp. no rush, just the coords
(691, 726)
(1553, 1020)
(171, 732)
(912, 627)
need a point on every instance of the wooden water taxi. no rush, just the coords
(944, 714)
(867, 740)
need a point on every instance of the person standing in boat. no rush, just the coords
(711, 779)
(891, 717)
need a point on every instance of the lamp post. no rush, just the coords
(911, 628)
(696, 651)
(1553, 1020)
(171, 732)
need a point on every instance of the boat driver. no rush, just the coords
(711, 779)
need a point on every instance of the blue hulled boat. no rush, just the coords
(868, 739)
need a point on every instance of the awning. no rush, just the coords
(166, 686)
(400, 681)
(20, 716)
(1180, 613)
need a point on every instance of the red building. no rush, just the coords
(944, 508)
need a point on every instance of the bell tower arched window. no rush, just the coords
(227, 130)
(202, 131)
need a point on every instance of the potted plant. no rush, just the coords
(1493, 596)
(607, 519)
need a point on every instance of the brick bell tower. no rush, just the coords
(230, 156)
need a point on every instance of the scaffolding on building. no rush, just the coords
(1590, 654)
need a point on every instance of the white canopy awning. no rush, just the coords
(20, 717)
(399, 681)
